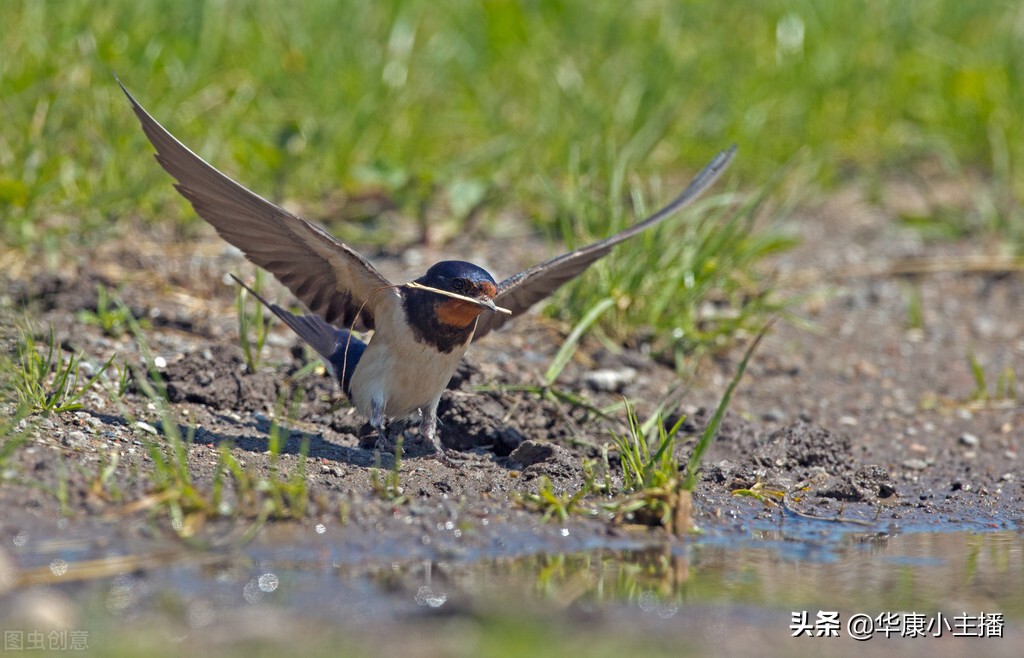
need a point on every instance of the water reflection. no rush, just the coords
(865, 572)
(715, 587)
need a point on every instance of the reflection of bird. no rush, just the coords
(420, 331)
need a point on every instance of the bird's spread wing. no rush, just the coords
(521, 291)
(329, 277)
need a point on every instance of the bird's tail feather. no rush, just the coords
(339, 348)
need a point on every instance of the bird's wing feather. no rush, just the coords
(329, 277)
(521, 291)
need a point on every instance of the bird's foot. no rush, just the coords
(445, 457)
(393, 441)
(431, 440)
(384, 444)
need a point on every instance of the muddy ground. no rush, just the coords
(870, 409)
(862, 400)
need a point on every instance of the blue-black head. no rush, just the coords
(446, 321)
(460, 277)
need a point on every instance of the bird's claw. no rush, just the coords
(444, 456)
(384, 444)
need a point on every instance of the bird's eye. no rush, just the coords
(460, 285)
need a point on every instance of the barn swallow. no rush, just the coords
(420, 329)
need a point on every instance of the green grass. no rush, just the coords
(111, 315)
(646, 452)
(12, 437)
(42, 380)
(655, 489)
(386, 484)
(253, 325)
(1004, 390)
(235, 491)
(551, 504)
(576, 115)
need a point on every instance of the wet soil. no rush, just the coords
(862, 403)
(852, 400)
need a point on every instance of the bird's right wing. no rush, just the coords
(521, 291)
(328, 276)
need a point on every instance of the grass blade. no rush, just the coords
(693, 465)
(565, 352)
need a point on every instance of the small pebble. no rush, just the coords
(969, 440)
(146, 427)
(915, 464)
(985, 326)
(848, 421)
(609, 380)
(74, 438)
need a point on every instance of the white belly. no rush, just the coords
(400, 371)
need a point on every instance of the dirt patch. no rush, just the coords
(216, 377)
(865, 411)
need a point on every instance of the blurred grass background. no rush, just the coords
(563, 112)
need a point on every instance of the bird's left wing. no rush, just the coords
(521, 291)
(328, 276)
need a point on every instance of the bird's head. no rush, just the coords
(460, 278)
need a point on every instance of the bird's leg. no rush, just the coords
(428, 430)
(428, 426)
(377, 422)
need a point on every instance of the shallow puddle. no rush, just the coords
(824, 582)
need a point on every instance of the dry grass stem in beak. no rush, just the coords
(486, 303)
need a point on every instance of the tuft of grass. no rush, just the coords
(915, 310)
(111, 315)
(43, 381)
(646, 452)
(551, 504)
(279, 496)
(286, 495)
(123, 381)
(650, 475)
(658, 491)
(387, 484)
(765, 493)
(12, 436)
(253, 325)
(691, 283)
(105, 481)
(1005, 388)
